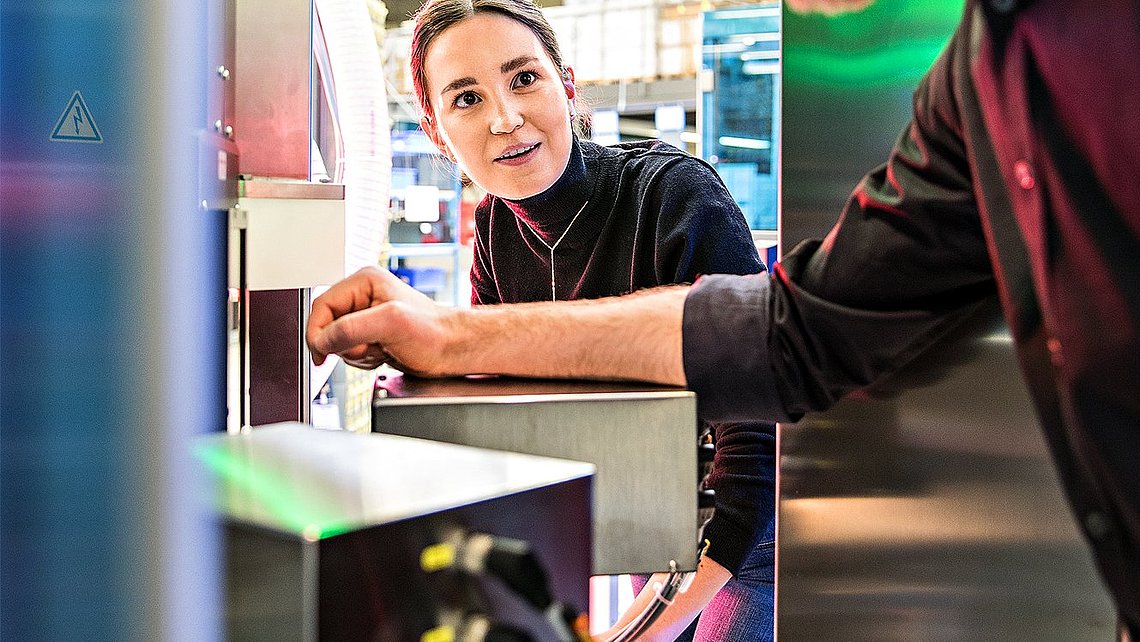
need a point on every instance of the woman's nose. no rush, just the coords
(508, 118)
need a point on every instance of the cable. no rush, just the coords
(676, 582)
(664, 593)
(515, 564)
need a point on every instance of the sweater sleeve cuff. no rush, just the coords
(724, 346)
(729, 544)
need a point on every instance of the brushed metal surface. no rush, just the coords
(272, 87)
(929, 509)
(292, 189)
(642, 440)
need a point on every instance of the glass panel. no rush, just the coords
(740, 105)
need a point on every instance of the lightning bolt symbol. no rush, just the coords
(77, 119)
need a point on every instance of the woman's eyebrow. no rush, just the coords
(506, 67)
(516, 63)
(458, 84)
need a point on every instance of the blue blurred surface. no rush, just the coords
(84, 508)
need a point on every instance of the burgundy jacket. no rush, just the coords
(1019, 174)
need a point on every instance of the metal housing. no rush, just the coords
(642, 441)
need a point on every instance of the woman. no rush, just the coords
(565, 218)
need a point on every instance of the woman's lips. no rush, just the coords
(518, 155)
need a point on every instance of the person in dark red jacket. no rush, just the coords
(1017, 175)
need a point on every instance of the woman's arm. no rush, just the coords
(699, 227)
(709, 579)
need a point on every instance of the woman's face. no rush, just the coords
(500, 107)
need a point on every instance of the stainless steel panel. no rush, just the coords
(291, 189)
(272, 83)
(927, 509)
(642, 440)
(219, 62)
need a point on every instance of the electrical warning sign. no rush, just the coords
(75, 124)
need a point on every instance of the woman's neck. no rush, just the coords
(549, 211)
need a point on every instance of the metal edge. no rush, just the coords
(569, 397)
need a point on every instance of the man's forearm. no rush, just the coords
(636, 337)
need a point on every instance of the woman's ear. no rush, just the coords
(432, 132)
(568, 83)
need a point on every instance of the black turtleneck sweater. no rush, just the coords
(655, 216)
(648, 214)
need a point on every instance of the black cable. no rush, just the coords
(513, 562)
(506, 633)
(516, 565)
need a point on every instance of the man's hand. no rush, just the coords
(372, 317)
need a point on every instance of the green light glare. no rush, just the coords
(902, 65)
(891, 43)
(271, 492)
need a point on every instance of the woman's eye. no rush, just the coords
(526, 79)
(466, 99)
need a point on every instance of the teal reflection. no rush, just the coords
(741, 105)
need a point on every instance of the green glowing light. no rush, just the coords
(901, 64)
(893, 42)
(280, 499)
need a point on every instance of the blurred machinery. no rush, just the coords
(280, 215)
(112, 290)
(311, 171)
(346, 536)
(423, 230)
(739, 108)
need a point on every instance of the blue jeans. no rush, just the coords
(743, 610)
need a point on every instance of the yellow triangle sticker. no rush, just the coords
(75, 124)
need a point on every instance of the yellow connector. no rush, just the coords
(437, 557)
(439, 634)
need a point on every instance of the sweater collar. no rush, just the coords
(550, 211)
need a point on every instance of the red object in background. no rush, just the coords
(467, 221)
